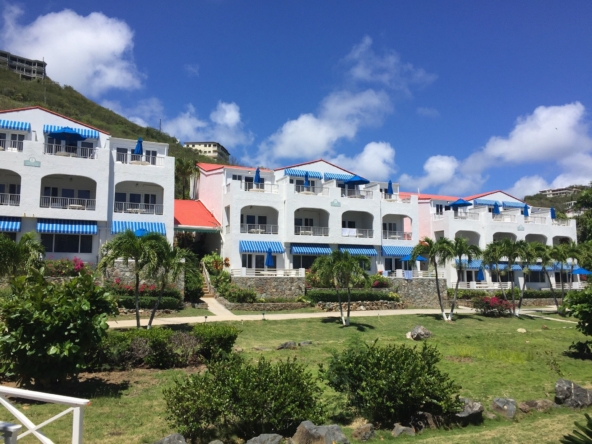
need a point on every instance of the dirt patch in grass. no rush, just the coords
(458, 359)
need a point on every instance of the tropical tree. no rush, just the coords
(545, 256)
(324, 268)
(184, 169)
(511, 251)
(436, 252)
(528, 256)
(492, 255)
(463, 253)
(17, 258)
(129, 247)
(575, 253)
(559, 253)
(170, 263)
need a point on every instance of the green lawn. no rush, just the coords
(298, 310)
(176, 314)
(487, 357)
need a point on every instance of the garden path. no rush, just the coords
(217, 308)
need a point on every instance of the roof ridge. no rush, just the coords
(54, 113)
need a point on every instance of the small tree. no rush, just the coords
(18, 258)
(492, 255)
(184, 169)
(462, 251)
(139, 249)
(543, 253)
(528, 255)
(511, 251)
(559, 253)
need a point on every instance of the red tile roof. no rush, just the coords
(193, 213)
(477, 196)
(428, 196)
(313, 161)
(54, 113)
(216, 166)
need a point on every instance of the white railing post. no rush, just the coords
(9, 432)
(78, 416)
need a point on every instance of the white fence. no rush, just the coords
(75, 405)
(10, 199)
(139, 159)
(535, 220)
(473, 285)
(67, 203)
(356, 194)
(357, 232)
(267, 272)
(69, 151)
(311, 231)
(301, 189)
(137, 208)
(504, 217)
(466, 215)
(259, 187)
(11, 145)
(259, 229)
(397, 235)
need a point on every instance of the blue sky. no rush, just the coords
(453, 97)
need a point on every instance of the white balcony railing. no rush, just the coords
(504, 217)
(66, 203)
(139, 159)
(70, 151)
(561, 222)
(437, 216)
(356, 194)
(259, 229)
(259, 187)
(466, 215)
(395, 198)
(483, 285)
(138, 208)
(311, 231)
(535, 220)
(267, 272)
(10, 199)
(357, 232)
(11, 145)
(396, 235)
(301, 189)
(573, 286)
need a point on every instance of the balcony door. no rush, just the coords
(389, 226)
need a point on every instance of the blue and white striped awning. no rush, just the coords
(336, 176)
(260, 247)
(396, 251)
(301, 173)
(66, 226)
(537, 267)
(10, 224)
(513, 204)
(475, 264)
(14, 125)
(84, 132)
(311, 249)
(359, 250)
(486, 202)
(119, 226)
(503, 267)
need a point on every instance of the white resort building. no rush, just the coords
(77, 186)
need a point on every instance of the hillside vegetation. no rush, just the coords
(559, 202)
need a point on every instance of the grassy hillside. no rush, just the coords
(559, 202)
(16, 93)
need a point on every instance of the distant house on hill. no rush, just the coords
(209, 149)
(28, 69)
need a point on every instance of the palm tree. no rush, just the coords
(559, 253)
(127, 246)
(492, 255)
(323, 268)
(184, 169)
(170, 262)
(575, 253)
(436, 252)
(528, 256)
(544, 254)
(511, 251)
(17, 258)
(462, 251)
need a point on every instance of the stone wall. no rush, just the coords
(262, 306)
(272, 287)
(526, 302)
(125, 273)
(362, 305)
(420, 292)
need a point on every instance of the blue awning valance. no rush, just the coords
(260, 247)
(396, 251)
(84, 132)
(513, 204)
(66, 226)
(301, 173)
(311, 249)
(10, 224)
(503, 267)
(538, 267)
(15, 125)
(475, 264)
(486, 202)
(337, 176)
(119, 226)
(359, 250)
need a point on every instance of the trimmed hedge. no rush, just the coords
(356, 295)
(528, 294)
(147, 302)
(215, 338)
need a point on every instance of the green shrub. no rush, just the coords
(579, 305)
(581, 435)
(215, 338)
(389, 384)
(193, 281)
(237, 398)
(492, 306)
(528, 294)
(223, 278)
(356, 295)
(129, 302)
(145, 290)
(232, 293)
(48, 329)
(379, 281)
(65, 267)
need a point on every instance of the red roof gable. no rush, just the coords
(313, 161)
(55, 114)
(193, 213)
(477, 196)
(216, 166)
(428, 196)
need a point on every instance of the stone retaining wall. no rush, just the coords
(262, 306)
(420, 292)
(526, 302)
(270, 287)
(362, 305)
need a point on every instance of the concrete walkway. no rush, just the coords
(216, 308)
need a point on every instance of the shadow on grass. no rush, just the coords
(455, 317)
(93, 387)
(352, 324)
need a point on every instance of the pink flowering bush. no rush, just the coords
(66, 268)
(492, 306)
(379, 281)
(119, 288)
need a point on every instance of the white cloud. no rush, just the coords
(428, 112)
(375, 162)
(527, 186)
(386, 69)
(147, 112)
(192, 69)
(91, 53)
(438, 170)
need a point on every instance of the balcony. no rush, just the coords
(259, 187)
(139, 159)
(437, 216)
(301, 189)
(394, 198)
(138, 208)
(67, 203)
(70, 151)
(11, 145)
(356, 194)
(357, 232)
(311, 231)
(396, 235)
(259, 229)
(13, 200)
(465, 215)
(504, 217)
(561, 222)
(535, 220)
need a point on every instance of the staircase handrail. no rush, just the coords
(206, 276)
